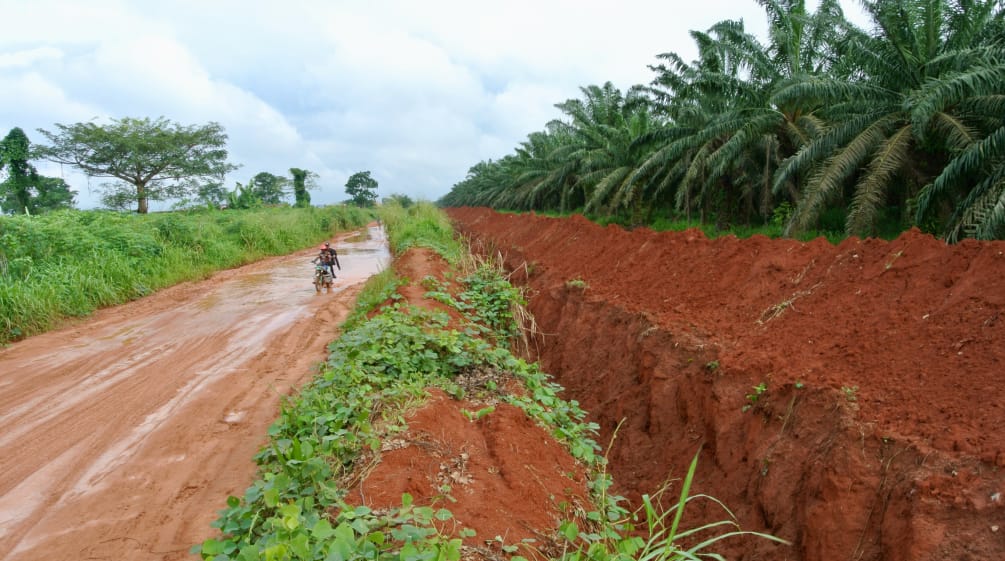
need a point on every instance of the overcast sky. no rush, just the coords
(415, 91)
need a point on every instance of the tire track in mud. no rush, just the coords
(121, 436)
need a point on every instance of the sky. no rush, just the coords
(416, 92)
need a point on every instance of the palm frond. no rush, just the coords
(953, 134)
(870, 191)
(960, 168)
(981, 214)
(821, 148)
(829, 180)
(938, 94)
(822, 90)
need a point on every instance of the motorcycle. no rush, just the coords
(323, 278)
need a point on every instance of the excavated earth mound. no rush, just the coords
(846, 398)
(502, 476)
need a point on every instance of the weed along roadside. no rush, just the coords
(424, 437)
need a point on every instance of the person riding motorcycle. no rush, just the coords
(329, 258)
(334, 256)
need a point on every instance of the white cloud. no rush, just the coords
(28, 57)
(416, 92)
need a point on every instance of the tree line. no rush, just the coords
(148, 160)
(821, 125)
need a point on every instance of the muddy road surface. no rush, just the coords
(122, 435)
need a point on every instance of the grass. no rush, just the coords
(424, 225)
(834, 235)
(660, 534)
(70, 263)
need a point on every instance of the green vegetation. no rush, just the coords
(660, 535)
(823, 127)
(69, 263)
(362, 189)
(153, 160)
(24, 190)
(421, 225)
(753, 398)
(266, 189)
(399, 199)
(330, 430)
(302, 181)
(850, 392)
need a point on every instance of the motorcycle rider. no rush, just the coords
(325, 259)
(333, 257)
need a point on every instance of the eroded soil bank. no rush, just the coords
(502, 476)
(877, 429)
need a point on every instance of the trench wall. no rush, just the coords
(796, 460)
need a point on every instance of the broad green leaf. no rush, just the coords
(212, 547)
(322, 530)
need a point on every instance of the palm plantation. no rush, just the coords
(822, 126)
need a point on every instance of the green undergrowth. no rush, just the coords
(332, 426)
(70, 263)
(332, 429)
(774, 229)
(421, 225)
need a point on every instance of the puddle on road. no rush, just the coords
(208, 302)
(250, 307)
(255, 279)
(185, 347)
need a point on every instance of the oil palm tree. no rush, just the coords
(693, 98)
(973, 182)
(541, 176)
(883, 146)
(584, 160)
(734, 135)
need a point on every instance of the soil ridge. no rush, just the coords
(875, 434)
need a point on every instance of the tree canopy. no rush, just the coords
(153, 159)
(822, 126)
(24, 190)
(302, 181)
(362, 189)
(268, 188)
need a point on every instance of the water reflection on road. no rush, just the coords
(92, 415)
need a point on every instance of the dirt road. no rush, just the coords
(121, 436)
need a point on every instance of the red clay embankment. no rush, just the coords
(878, 434)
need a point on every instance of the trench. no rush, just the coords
(796, 461)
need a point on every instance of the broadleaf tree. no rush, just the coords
(24, 190)
(269, 188)
(212, 194)
(302, 181)
(154, 159)
(362, 189)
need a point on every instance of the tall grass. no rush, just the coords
(70, 263)
(421, 224)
